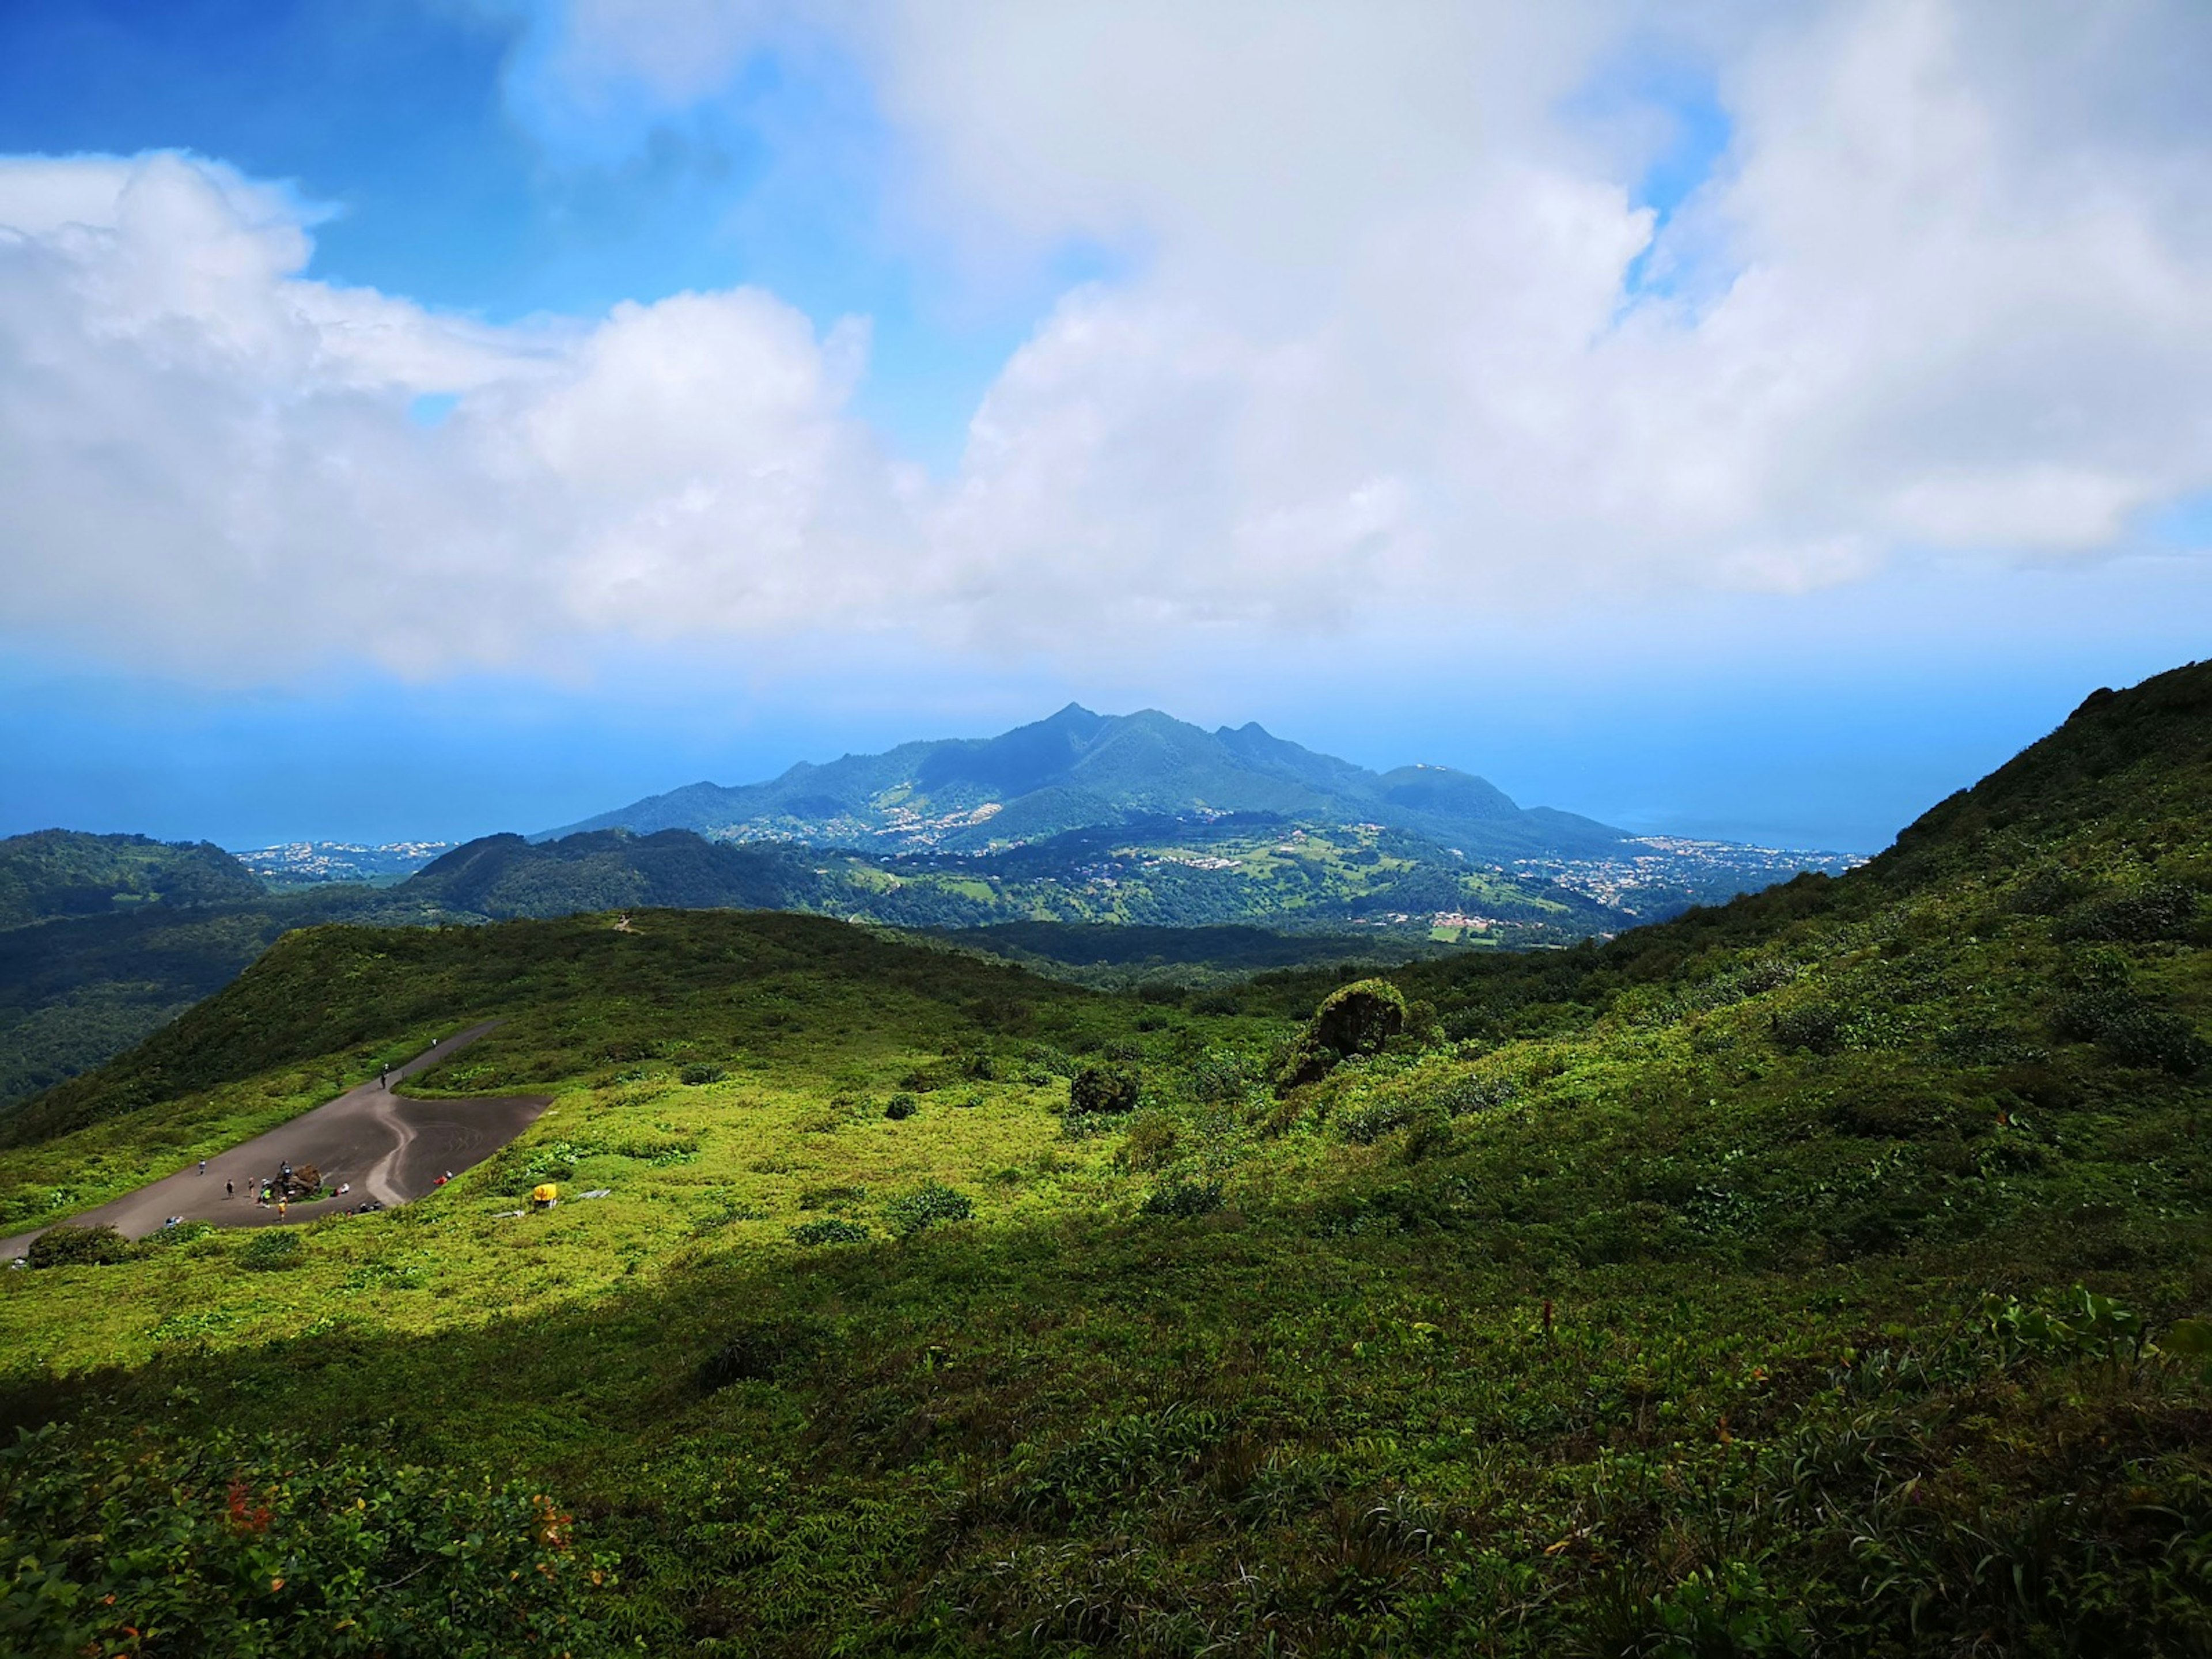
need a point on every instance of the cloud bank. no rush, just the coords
(1398, 331)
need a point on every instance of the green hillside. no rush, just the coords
(65, 872)
(1151, 873)
(77, 991)
(1823, 1273)
(501, 877)
(84, 987)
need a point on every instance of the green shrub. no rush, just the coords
(2161, 910)
(1180, 1198)
(271, 1550)
(2112, 1013)
(68, 1247)
(926, 1206)
(830, 1229)
(511, 1172)
(1370, 1123)
(1477, 1094)
(699, 1072)
(830, 1198)
(1815, 1027)
(900, 1107)
(1220, 1075)
(1041, 1062)
(1895, 1117)
(2047, 890)
(1105, 1089)
(724, 1212)
(1151, 1142)
(272, 1249)
(758, 1350)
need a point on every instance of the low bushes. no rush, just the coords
(272, 1250)
(1817, 1028)
(66, 1247)
(2145, 915)
(926, 1206)
(1152, 1141)
(2107, 1011)
(830, 1229)
(273, 1547)
(1110, 1089)
(758, 1350)
(1182, 1197)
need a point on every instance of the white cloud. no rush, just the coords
(1371, 352)
(209, 462)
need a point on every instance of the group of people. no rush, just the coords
(278, 1189)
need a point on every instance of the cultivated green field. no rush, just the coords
(1826, 1273)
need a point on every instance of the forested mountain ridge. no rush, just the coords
(67, 872)
(1829, 1272)
(503, 876)
(1079, 770)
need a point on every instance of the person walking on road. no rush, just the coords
(203, 1166)
(229, 1187)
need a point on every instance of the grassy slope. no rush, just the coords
(1639, 1304)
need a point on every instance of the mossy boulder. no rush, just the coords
(1357, 1018)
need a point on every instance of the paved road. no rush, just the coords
(387, 1146)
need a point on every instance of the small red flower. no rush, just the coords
(244, 1516)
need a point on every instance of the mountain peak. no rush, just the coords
(1078, 769)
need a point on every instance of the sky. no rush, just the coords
(440, 416)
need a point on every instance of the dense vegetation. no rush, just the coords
(1157, 873)
(75, 991)
(62, 872)
(1822, 1272)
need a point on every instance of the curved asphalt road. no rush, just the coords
(387, 1146)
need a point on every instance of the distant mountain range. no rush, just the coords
(1138, 821)
(1079, 770)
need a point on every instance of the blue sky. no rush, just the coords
(426, 419)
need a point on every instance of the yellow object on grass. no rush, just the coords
(550, 1192)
